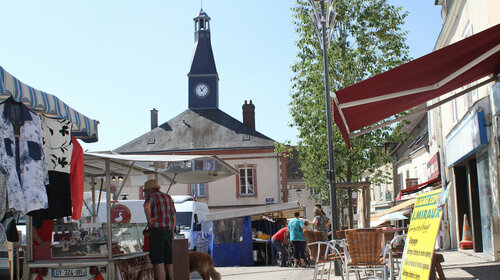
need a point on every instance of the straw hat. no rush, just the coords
(151, 184)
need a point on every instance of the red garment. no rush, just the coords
(76, 179)
(45, 231)
(162, 208)
(280, 235)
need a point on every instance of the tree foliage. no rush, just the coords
(368, 40)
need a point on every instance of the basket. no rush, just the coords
(364, 246)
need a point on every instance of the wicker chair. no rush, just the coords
(364, 251)
(322, 252)
(340, 234)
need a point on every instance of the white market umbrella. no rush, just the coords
(395, 216)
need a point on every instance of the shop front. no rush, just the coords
(472, 147)
(467, 158)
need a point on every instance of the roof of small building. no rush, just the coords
(198, 130)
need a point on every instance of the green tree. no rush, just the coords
(368, 40)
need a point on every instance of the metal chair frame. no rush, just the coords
(390, 254)
(322, 252)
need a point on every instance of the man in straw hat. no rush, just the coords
(161, 215)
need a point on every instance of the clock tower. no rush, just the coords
(203, 77)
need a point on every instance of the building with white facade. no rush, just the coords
(464, 132)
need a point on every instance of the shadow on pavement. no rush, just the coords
(484, 272)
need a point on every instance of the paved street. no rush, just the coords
(457, 265)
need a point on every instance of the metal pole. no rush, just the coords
(331, 155)
(92, 186)
(110, 267)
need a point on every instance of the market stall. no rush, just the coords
(234, 243)
(83, 249)
(32, 122)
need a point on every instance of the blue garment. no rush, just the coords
(23, 158)
(296, 232)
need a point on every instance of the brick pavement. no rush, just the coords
(457, 265)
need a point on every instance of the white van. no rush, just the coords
(191, 219)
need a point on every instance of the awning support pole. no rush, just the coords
(92, 187)
(110, 268)
(426, 109)
(99, 201)
(124, 180)
(171, 182)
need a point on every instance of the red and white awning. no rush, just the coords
(417, 82)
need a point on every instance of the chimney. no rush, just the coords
(154, 119)
(249, 114)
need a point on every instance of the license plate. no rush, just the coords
(69, 272)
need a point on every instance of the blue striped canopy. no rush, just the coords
(83, 127)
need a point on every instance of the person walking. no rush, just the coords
(321, 222)
(278, 240)
(319, 206)
(161, 216)
(297, 227)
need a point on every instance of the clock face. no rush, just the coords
(201, 90)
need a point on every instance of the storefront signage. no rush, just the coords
(433, 167)
(468, 137)
(419, 246)
(120, 214)
(411, 182)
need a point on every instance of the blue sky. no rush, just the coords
(116, 60)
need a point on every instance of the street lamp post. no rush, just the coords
(326, 18)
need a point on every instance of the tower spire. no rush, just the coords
(203, 77)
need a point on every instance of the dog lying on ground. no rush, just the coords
(204, 264)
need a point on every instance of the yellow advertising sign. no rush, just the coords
(419, 248)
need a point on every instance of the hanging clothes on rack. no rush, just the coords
(22, 157)
(76, 178)
(3, 207)
(58, 149)
(3, 193)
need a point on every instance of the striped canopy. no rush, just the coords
(83, 127)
